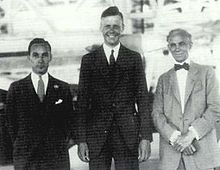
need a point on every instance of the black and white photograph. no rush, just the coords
(109, 84)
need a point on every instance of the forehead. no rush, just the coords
(178, 37)
(116, 19)
(39, 48)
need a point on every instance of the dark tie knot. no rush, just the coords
(179, 66)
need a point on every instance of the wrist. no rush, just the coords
(192, 135)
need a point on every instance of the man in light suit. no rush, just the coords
(112, 81)
(185, 109)
(39, 115)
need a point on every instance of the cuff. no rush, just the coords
(174, 136)
(193, 130)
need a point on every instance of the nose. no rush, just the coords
(177, 47)
(41, 59)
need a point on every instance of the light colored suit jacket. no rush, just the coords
(202, 109)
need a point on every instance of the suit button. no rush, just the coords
(134, 113)
(106, 131)
(113, 104)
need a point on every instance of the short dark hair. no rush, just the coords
(112, 11)
(38, 41)
(179, 31)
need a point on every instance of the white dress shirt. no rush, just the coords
(108, 51)
(181, 75)
(35, 78)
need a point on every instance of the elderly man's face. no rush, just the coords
(179, 46)
(111, 28)
(40, 57)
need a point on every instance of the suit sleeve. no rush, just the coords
(10, 112)
(143, 102)
(83, 99)
(71, 120)
(206, 122)
(165, 129)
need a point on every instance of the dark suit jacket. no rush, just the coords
(5, 142)
(39, 131)
(100, 99)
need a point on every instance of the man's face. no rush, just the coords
(179, 46)
(40, 57)
(111, 28)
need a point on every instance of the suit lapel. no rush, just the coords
(30, 88)
(190, 81)
(120, 64)
(52, 89)
(174, 85)
(101, 65)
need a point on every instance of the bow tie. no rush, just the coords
(179, 66)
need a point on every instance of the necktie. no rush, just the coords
(112, 58)
(179, 66)
(40, 89)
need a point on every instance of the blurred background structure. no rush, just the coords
(72, 28)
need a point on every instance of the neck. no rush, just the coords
(111, 46)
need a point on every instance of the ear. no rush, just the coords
(123, 27)
(100, 26)
(190, 45)
(51, 56)
(28, 57)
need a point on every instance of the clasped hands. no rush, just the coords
(184, 143)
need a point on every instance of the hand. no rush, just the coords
(177, 146)
(144, 150)
(190, 150)
(184, 141)
(83, 152)
(70, 144)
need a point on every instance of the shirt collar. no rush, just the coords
(35, 78)
(108, 50)
(186, 61)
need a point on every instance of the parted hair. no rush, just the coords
(112, 11)
(38, 41)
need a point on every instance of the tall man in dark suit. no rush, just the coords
(112, 83)
(39, 115)
(185, 109)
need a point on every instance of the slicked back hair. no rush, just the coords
(39, 41)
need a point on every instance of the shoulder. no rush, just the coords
(129, 52)
(21, 82)
(92, 55)
(166, 75)
(203, 69)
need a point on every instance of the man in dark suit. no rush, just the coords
(185, 109)
(39, 115)
(112, 83)
(5, 142)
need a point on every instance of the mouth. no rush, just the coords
(178, 53)
(40, 66)
(112, 35)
